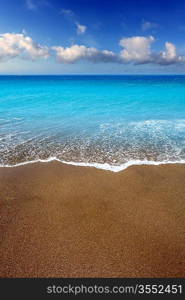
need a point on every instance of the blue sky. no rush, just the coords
(90, 36)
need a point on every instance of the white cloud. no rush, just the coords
(13, 45)
(170, 53)
(169, 56)
(81, 29)
(77, 52)
(137, 49)
(146, 25)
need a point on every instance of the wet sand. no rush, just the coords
(59, 220)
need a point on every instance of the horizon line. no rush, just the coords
(99, 74)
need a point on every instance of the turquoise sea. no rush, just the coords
(104, 121)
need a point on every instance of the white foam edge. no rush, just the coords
(105, 166)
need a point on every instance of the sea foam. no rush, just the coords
(105, 166)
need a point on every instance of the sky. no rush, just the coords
(92, 37)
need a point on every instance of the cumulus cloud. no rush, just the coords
(169, 56)
(81, 29)
(77, 52)
(19, 45)
(137, 49)
(146, 25)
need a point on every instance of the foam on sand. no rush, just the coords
(105, 166)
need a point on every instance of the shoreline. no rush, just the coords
(101, 166)
(61, 221)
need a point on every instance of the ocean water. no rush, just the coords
(109, 122)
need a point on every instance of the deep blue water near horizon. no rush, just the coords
(92, 119)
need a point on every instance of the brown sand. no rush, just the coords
(63, 221)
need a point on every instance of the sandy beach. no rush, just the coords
(59, 220)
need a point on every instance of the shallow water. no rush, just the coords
(106, 121)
